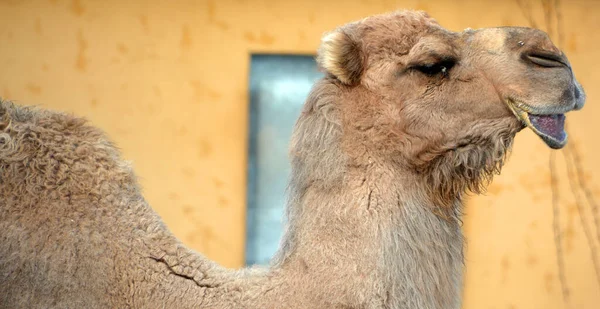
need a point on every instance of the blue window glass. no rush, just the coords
(279, 85)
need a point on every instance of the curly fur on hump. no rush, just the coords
(51, 155)
(76, 227)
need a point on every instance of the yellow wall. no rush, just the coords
(169, 83)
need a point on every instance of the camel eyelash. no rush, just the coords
(442, 67)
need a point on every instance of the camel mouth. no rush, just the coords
(549, 127)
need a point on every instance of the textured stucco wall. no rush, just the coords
(168, 81)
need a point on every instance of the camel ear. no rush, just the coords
(341, 56)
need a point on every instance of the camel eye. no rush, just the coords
(439, 68)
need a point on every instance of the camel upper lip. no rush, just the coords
(518, 105)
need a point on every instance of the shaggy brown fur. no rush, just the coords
(409, 117)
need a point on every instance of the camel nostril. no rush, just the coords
(544, 59)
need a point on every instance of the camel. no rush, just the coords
(408, 118)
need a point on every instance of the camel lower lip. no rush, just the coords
(549, 127)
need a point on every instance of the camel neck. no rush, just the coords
(371, 243)
(374, 243)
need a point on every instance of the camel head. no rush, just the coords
(408, 88)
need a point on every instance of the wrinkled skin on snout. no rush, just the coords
(539, 86)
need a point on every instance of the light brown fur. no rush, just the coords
(381, 156)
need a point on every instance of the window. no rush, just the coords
(279, 85)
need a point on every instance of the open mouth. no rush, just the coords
(550, 127)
